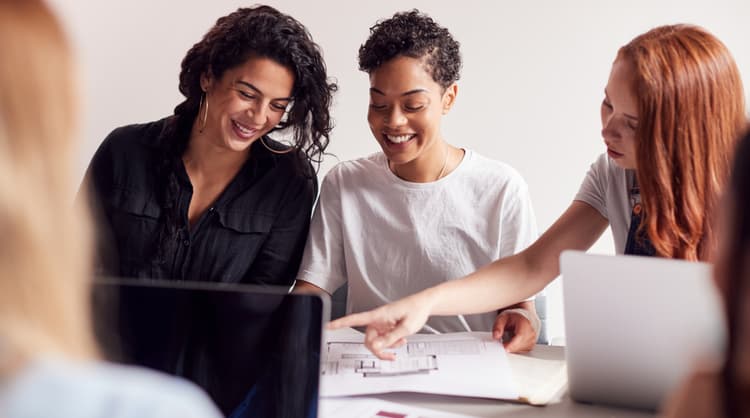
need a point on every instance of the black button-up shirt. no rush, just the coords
(255, 232)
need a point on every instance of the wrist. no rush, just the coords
(533, 319)
(431, 299)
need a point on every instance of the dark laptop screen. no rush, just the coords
(255, 350)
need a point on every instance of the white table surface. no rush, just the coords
(564, 408)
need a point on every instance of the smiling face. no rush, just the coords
(245, 103)
(620, 115)
(406, 108)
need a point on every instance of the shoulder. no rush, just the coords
(603, 174)
(286, 167)
(493, 172)
(131, 141)
(128, 136)
(359, 169)
(283, 157)
(84, 389)
(604, 166)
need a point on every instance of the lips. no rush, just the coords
(243, 131)
(399, 139)
(614, 154)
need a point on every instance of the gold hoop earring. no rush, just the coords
(273, 150)
(205, 113)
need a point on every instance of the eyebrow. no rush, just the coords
(631, 117)
(374, 90)
(257, 90)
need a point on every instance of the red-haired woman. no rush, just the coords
(672, 110)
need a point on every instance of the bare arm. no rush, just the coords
(508, 280)
(499, 284)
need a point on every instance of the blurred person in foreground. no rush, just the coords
(49, 362)
(723, 389)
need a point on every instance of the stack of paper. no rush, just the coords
(541, 378)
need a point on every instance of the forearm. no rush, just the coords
(527, 304)
(513, 279)
(497, 285)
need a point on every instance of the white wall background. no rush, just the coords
(533, 77)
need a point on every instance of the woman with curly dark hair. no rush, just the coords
(206, 194)
(422, 211)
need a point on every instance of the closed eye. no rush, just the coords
(246, 95)
(279, 107)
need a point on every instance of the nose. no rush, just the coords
(258, 114)
(394, 118)
(609, 128)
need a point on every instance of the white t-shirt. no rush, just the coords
(389, 238)
(606, 188)
(58, 388)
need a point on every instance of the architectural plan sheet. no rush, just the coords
(462, 364)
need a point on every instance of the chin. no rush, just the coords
(625, 165)
(240, 145)
(397, 158)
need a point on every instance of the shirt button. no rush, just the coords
(186, 242)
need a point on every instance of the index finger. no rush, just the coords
(388, 339)
(370, 335)
(353, 320)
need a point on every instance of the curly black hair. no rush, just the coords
(416, 35)
(265, 32)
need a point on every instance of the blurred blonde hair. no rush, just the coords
(45, 248)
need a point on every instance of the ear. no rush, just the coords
(207, 81)
(449, 97)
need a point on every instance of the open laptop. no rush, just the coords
(635, 326)
(255, 350)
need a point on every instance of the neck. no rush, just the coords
(11, 359)
(204, 157)
(432, 166)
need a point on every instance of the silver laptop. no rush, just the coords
(635, 326)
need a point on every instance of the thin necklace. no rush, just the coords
(442, 170)
(445, 164)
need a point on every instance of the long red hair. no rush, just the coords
(691, 111)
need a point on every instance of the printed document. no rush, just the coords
(462, 364)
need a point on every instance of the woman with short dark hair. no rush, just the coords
(423, 211)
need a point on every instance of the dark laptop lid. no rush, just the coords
(255, 350)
